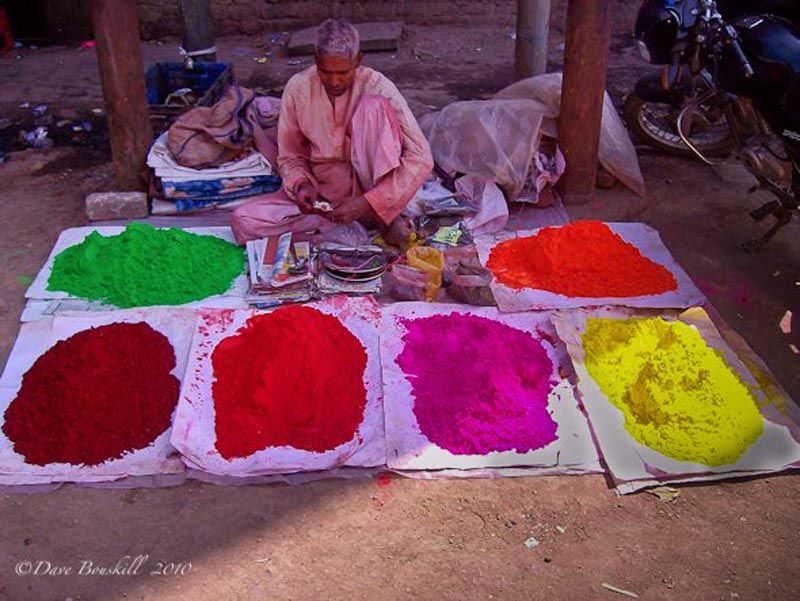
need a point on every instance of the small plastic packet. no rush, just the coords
(469, 283)
(405, 283)
(431, 261)
(455, 255)
(433, 199)
(443, 232)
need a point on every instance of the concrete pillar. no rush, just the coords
(533, 26)
(198, 28)
(119, 55)
(585, 71)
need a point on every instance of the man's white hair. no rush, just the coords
(337, 37)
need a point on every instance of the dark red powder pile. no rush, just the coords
(292, 378)
(99, 394)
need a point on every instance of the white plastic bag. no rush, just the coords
(495, 139)
(616, 153)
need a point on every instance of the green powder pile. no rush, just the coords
(678, 395)
(145, 266)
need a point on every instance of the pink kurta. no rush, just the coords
(315, 145)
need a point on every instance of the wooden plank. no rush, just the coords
(375, 37)
(585, 70)
(119, 56)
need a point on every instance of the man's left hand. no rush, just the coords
(352, 209)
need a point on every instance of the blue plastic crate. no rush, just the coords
(207, 80)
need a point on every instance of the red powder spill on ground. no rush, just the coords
(99, 394)
(293, 378)
(582, 259)
(479, 385)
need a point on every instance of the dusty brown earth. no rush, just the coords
(456, 539)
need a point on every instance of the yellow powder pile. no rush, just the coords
(678, 395)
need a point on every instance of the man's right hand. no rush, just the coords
(305, 197)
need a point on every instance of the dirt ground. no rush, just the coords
(399, 538)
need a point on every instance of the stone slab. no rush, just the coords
(101, 206)
(375, 37)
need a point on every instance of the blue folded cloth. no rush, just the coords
(220, 187)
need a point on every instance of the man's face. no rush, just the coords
(337, 72)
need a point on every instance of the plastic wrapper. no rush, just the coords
(436, 200)
(442, 232)
(431, 261)
(405, 283)
(492, 214)
(495, 139)
(546, 169)
(452, 256)
(469, 283)
(616, 152)
(351, 234)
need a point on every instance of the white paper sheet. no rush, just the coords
(633, 465)
(409, 449)
(37, 308)
(76, 235)
(645, 238)
(37, 337)
(193, 430)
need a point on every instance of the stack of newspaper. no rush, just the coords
(280, 271)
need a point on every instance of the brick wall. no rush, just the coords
(160, 17)
(69, 20)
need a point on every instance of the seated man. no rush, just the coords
(346, 138)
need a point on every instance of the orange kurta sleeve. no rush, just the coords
(391, 194)
(293, 146)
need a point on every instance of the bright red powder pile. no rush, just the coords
(99, 394)
(582, 259)
(292, 378)
(479, 385)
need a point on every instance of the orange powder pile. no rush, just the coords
(581, 259)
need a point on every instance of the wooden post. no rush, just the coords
(119, 55)
(533, 25)
(198, 28)
(585, 71)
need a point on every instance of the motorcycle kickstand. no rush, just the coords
(784, 216)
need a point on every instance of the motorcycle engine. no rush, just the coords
(762, 161)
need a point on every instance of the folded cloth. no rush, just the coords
(221, 200)
(166, 167)
(221, 187)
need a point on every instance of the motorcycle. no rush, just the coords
(728, 83)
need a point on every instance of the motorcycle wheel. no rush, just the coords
(655, 124)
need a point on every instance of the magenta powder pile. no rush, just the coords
(479, 385)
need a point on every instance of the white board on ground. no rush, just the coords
(633, 465)
(194, 427)
(643, 237)
(74, 236)
(34, 339)
(409, 449)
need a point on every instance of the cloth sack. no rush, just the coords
(211, 136)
